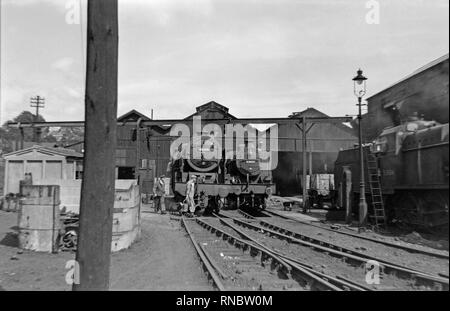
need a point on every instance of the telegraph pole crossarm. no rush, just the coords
(37, 102)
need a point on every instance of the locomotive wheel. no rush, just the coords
(220, 204)
(435, 209)
(210, 208)
(261, 203)
(199, 211)
(408, 208)
(265, 203)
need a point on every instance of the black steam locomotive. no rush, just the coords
(412, 163)
(224, 183)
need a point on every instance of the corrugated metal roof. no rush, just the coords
(212, 106)
(66, 152)
(60, 151)
(313, 112)
(308, 112)
(133, 114)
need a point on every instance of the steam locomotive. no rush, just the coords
(223, 183)
(412, 163)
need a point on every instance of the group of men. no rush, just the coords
(159, 190)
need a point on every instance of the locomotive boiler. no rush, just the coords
(411, 168)
(223, 183)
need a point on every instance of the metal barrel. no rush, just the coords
(38, 218)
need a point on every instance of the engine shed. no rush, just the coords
(146, 154)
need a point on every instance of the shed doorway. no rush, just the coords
(125, 172)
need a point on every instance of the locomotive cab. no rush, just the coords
(412, 167)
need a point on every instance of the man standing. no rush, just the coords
(190, 192)
(159, 190)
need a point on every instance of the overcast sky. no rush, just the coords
(260, 58)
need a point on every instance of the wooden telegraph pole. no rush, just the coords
(37, 102)
(98, 186)
(304, 166)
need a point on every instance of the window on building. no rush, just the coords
(125, 172)
(79, 170)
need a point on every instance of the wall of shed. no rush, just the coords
(2, 175)
(425, 93)
(70, 192)
(15, 170)
(40, 165)
(324, 141)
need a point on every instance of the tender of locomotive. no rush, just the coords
(223, 184)
(412, 168)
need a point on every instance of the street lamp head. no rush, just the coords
(359, 84)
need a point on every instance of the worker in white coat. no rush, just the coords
(190, 192)
(159, 190)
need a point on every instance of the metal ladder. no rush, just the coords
(375, 190)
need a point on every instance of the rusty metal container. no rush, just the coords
(38, 218)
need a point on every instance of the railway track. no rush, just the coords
(387, 243)
(301, 246)
(428, 262)
(234, 263)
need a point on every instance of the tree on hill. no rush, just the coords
(9, 135)
(68, 135)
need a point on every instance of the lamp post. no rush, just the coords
(359, 84)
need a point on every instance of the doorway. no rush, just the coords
(125, 172)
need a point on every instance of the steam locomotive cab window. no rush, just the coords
(380, 145)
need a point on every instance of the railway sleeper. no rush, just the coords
(404, 247)
(420, 278)
(306, 278)
(320, 242)
(266, 260)
(284, 271)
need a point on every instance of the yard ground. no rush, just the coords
(163, 259)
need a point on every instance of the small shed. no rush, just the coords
(43, 163)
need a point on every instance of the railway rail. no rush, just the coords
(405, 276)
(234, 263)
(428, 262)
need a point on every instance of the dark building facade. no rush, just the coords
(324, 141)
(423, 93)
(127, 145)
(146, 154)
